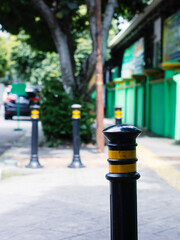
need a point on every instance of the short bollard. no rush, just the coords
(76, 115)
(122, 176)
(34, 162)
(118, 115)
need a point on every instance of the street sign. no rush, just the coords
(18, 88)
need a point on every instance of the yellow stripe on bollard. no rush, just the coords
(125, 168)
(34, 112)
(34, 116)
(118, 114)
(76, 114)
(118, 154)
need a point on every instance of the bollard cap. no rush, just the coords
(35, 106)
(35, 112)
(121, 135)
(76, 113)
(118, 107)
(76, 106)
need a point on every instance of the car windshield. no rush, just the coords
(31, 94)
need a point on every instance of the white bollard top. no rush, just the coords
(76, 106)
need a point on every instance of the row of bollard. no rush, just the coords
(76, 115)
(122, 169)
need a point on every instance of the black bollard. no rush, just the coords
(34, 162)
(118, 115)
(122, 176)
(76, 115)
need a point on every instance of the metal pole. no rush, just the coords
(76, 115)
(18, 113)
(99, 81)
(122, 176)
(118, 115)
(34, 162)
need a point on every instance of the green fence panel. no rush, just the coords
(157, 112)
(140, 106)
(176, 78)
(110, 102)
(115, 73)
(172, 108)
(130, 106)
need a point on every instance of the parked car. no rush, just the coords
(10, 105)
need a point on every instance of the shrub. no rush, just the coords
(56, 114)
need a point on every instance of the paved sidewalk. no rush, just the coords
(58, 203)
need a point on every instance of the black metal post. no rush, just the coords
(34, 162)
(122, 176)
(118, 115)
(76, 115)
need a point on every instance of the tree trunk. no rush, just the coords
(99, 82)
(88, 66)
(106, 25)
(61, 43)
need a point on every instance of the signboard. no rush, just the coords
(171, 38)
(133, 59)
(114, 72)
(157, 45)
(18, 88)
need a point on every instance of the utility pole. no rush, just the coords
(99, 81)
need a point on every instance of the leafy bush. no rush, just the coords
(56, 114)
(3, 57)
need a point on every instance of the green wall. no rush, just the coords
(172, 108)
(176, 78)
(110, 100)
(130, 111)
(130, 98)
(115, 73)
(156, 102)
(151, 102)
(140, 105)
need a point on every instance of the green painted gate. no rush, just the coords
(140, 105)
(110, 99)
(130, 105)
(156, 101)
(172, 108)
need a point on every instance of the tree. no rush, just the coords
(31, 65)
(3, 57)
(58, 24)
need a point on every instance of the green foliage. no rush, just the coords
(72, 17)
(84, 48)
(56, 113)
(3, 57)
(17, 15)
(30, 65)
